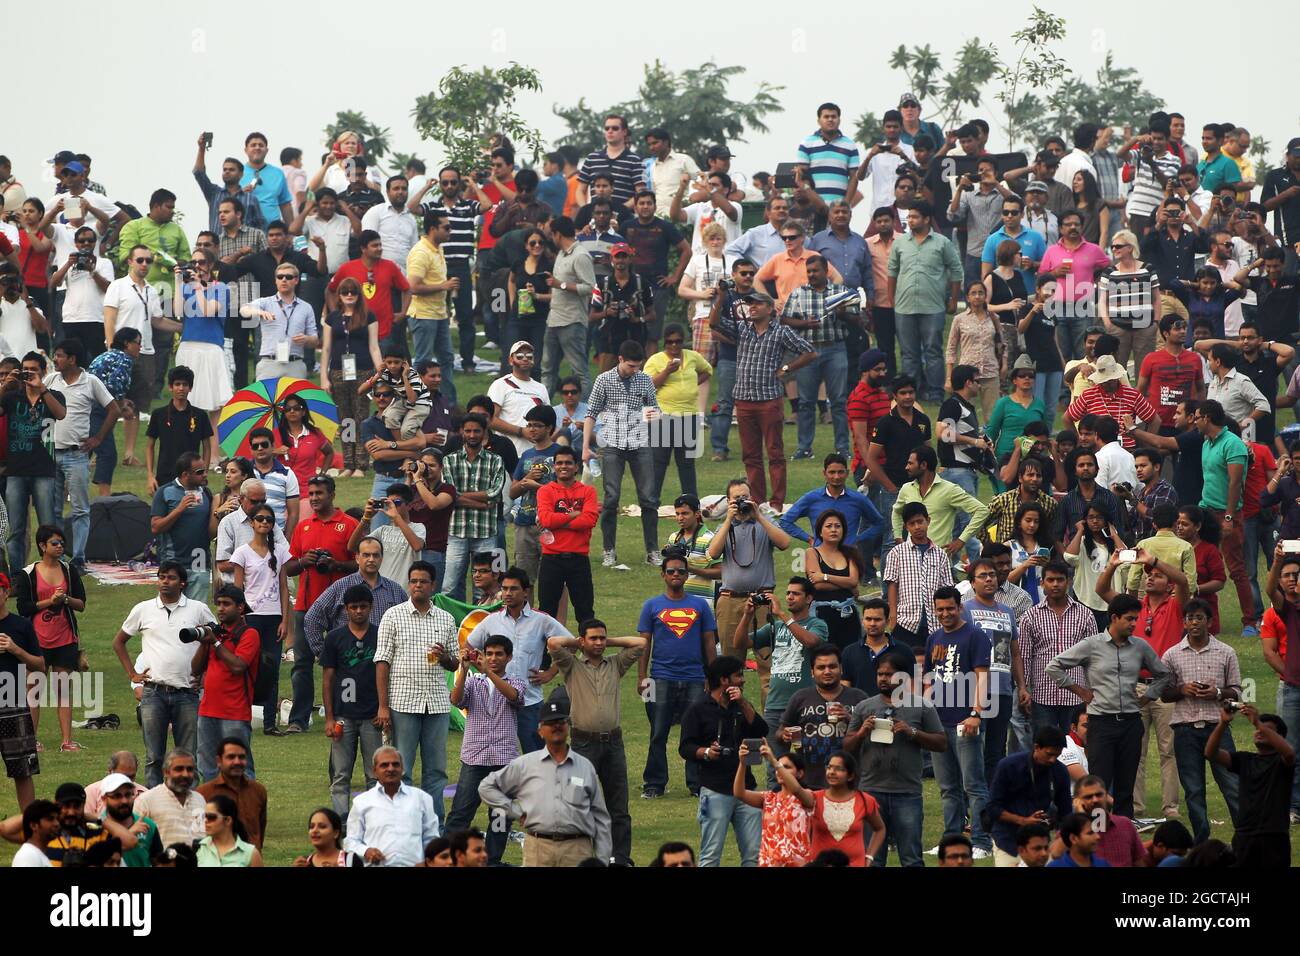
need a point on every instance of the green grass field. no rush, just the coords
(294, 769)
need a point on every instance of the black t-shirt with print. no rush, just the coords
(176, 432)
(353, 688)
(30, 448)
(651, 243)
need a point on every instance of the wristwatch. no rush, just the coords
(785, 370)
(1227, 518)
(392, 446)
(564, 286)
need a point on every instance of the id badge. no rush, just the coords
(349, 367)
(282, 351)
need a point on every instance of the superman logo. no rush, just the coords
(679, 620)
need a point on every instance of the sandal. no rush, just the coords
(70, 746)
(131, 462)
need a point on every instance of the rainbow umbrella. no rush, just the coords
(261, 404)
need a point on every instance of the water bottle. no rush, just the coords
(547, 537)
(593, 467)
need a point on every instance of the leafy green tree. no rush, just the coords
(468, 107)
(402, 160)
(694, 105)
(375, 138)
(1037, 66)
(946, 96)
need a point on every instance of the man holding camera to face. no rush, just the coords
(226, 661)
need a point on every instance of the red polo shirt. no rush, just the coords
(330, 534)
(226, 695)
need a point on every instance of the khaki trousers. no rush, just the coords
(728, 611)
(1159, 714)
(539, 852)
(1004, 859)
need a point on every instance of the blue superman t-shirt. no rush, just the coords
(677, 628)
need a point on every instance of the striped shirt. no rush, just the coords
(759, 357)
(1106, 163)
(1214, 665)
(487, 472)
(805, 302)
(491, 728)
(830, 163)
(870, 405)
(1147, 191)
(1124, 401)
(697, 557)
(406, 635)
(281, 485)
(1130, 296)
(627, 170)
(1043, 635)
(460, 216)
(1003, 507)
(617, 405)
(918, 573)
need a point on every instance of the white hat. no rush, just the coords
(114, 781)
(1106, 370)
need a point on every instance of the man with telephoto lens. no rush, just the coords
(226, 659)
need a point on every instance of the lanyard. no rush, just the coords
(144, 299)
(288, 316)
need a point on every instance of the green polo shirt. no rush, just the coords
(923, 270)
(168, 238)
(1227, 449)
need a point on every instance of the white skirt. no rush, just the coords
(212, 385)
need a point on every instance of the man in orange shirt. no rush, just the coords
(882, 307)
(789, 270)
(319, 549)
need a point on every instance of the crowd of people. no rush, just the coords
(1020, 643)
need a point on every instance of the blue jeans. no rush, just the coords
(1021, 736)
(720, 421)
(106, 453)
(1189, 755)
(830, 368)
(672, 697)
(428, 734)
(72, 478)
(1047, 388)
(465, 804)
(527, 720)
(21, 493)
(716, 811)
(1071, 329)
(920, 336)
(968, 480)
(439, 561)
(970, 268)
(959, 771)
(460, 551)
(302, 676)
(432, 339)
(1288, 708)
(903, 814)
(885, 505)
(343, 758)
(162, 707)
(213, 730)
(993, 729)
(1257, 537)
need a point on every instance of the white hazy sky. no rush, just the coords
(150, 75)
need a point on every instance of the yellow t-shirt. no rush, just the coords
(680, 394)
(426, 264)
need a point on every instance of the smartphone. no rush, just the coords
(754, 757)
(207, 140)
(1291, 547)
(1128, 556)
(1043, 553)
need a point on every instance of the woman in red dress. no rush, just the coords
(840, 811)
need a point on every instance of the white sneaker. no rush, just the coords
(933, 851)
(767, 509)
(609, 560)
(979, 853)
(653, 558)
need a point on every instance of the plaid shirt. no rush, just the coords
(918, 575)
(806, 302)
(1159, 493)
(1003, 507)
(485, 473)
(1043, 635)
(491, 731)
(405, 638)
(758, 357)
(616, 405)
(1214, 664)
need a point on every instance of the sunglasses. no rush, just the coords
(285, 278)
(612, 129)
(675, 571)
(380, 396)
(745, 275)
(260, 446)
(54, 543)
(260, 518)
(211, 817)
(1119, 245)
(569, 391)
(673, 341)
(143, 260)
(535, 242)
(790, 238)
(1011, 212)
(449, 183)
(347, 295)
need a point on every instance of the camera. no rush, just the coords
(187, 271)
(676, 551)
(83, 259)
(744, 505)
(323, 562)
(761, 598)
(411, 467)
(192, 635)
(1235, 706)
(727, 284)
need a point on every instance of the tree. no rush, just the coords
(1117, 98)
(692, 105)
(1036, 66)
(946, 96)
(467, 107)
(402, 160)
(375, 138)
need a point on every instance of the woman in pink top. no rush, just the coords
(303, 448)
(48, 592)
(785, 820)
(840, 811)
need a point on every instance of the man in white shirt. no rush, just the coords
(88, 277)
(665, 168)
(710, 202)
(391, 824)
(19, 316)
(132, 303)
(323, 225)
(169, 699)
(396, 226)
(883, 160)
(73, 441)
(401, 538)
(514, 394)
(40, 826)
(1074, 757)
(1079, 158)
(1115, 464)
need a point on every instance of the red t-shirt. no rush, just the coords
(385, 277)
(1171, 380)
(35, 264)
(1261, 463)
(304, 455)
(571, 536)
(851, 843)
(1209, 567)
(226, 695)
(485, 238)
(331, 535)
(870, 405)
